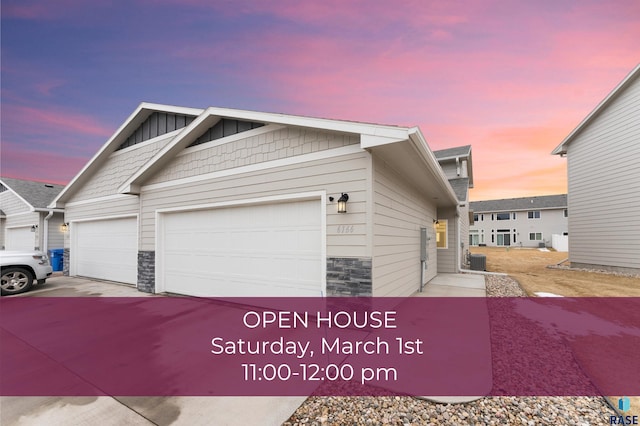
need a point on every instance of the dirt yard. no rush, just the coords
(529, 268)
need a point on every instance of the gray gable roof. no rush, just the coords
(460, 187)
(458, 151)
(37, 194)
(524, 203)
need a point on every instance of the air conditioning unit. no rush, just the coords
(478, 262)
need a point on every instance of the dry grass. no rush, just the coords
(529, 268)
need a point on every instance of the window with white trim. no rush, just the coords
(535, 236)
(534, 214)
(441, 234)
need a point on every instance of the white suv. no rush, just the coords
(21, 268)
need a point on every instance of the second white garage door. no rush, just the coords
(255, 250)
(106, 249)
(20, 238)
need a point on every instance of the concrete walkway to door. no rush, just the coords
(463, 285)
(455, 285)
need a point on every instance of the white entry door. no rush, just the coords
(254, 250)
(105, 249)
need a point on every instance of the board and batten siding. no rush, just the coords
(604, 183)
(399, 211)
(119, 167)
(346, 173)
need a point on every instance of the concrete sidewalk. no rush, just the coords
(455, 285)
(463, 285)
(117, 411)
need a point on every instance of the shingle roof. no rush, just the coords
(460, 187)
(457, 151)
(37, 194)
(524, 203)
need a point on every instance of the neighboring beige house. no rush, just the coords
(520, 222)
(603, 162)
(224, 202)
(26, 223)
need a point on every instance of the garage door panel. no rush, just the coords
(20, 238)
(239, 285)
(106, 249)
(307, 240)
(258, 250)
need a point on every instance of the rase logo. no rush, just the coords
(624, 404)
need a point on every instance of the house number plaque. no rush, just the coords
(345, 229)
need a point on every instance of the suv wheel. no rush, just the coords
(16, 280)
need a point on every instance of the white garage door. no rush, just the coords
(106, 249)
(257, 250)
(20, 238)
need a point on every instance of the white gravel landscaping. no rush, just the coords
(395, 410)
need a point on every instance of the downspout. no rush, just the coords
(45, 238)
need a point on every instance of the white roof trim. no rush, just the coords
(562, 148)
(370, 141)
(108, 147)
(416, 136)
(454, 157)
(371, 135)
(312, 122)
(49, 210)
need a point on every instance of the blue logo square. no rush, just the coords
(624, 404)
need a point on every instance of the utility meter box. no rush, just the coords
(424, 244)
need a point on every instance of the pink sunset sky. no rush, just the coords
(510, 78)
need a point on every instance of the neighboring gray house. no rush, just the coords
(603, 163)
(26, 223)
(224, 202)
(519, 222)
(457, 165)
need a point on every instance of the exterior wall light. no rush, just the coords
(33, 228)
(342, 203)
(64, 227)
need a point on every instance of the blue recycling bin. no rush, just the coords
(55, 255)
